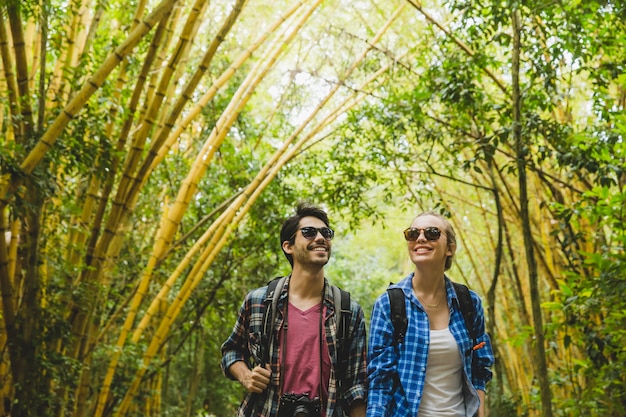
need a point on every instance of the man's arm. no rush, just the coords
(355, 391)
(254, 380)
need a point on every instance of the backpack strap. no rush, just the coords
(400, 320)
(467, 308)
(398, 314)
(341, 301)
(274, 288)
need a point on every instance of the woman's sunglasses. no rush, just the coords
(430, 233)
(310, 233)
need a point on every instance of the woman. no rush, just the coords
(437, 369)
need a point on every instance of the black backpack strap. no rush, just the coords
(467, 308)
(341, 301)
(400, 321)
(398, 314)
(274, 288)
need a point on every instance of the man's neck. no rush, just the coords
(306, 287)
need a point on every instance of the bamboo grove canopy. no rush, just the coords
(151, 149)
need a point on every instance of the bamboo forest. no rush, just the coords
(151, 149)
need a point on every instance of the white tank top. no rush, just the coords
(442, 394)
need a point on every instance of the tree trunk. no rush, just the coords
(541, 368)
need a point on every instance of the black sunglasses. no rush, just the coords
(310, 232)
(430, 233)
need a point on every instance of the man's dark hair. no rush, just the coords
(290, 226)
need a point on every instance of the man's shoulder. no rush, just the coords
(355, 307)
(257, 295)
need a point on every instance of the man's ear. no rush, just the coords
(287, 247)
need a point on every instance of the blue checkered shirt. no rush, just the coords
(244, 344)
(396, 373)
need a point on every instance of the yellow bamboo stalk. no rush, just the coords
(162, 49)
(126, 126)
(69, 57)
(51, 135)
(21, 70)
(125, 188)
(104, 248)
(78, 237)
(20, 50)
(10, 77)
(170, 110)
(6, 284)
(168, 136)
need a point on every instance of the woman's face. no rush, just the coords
(425, 250)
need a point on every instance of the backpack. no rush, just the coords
(341, 300)
(400, 321)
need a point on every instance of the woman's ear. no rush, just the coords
(451, 249)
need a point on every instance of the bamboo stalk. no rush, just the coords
(127, 186)
(170, 134)
(21, 69)
(126, 126)
(10, 78)
(77, 103)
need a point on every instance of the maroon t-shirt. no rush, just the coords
(301, 365)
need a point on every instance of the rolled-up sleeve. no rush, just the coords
(483, 358)
(235, 348)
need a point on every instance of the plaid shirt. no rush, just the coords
(389, 366)
(244, 344)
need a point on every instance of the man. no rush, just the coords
(303, 363)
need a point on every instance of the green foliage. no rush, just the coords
(592, 297)
(427, 135)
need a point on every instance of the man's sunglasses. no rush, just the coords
(310, 232)
(430, 233)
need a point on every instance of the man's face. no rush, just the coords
(313, 251)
